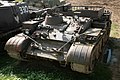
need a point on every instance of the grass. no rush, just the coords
(11, 69)
(115, 29)
(114, 42)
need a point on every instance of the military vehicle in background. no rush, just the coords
(12, 15)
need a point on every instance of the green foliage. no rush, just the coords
(114, 37)
(19, 0)
(11, 69)
(115, 30)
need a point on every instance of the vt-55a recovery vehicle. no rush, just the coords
(72, 35)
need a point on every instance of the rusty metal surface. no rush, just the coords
(80, 55)
(89, 11)
(15, 46)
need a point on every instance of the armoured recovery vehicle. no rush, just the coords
(72, 35)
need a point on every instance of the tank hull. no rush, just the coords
(76, 40)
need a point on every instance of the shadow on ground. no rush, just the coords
(115, 62)
(114, 43)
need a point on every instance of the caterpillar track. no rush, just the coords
(71, 35)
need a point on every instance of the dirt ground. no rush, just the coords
(114, 7)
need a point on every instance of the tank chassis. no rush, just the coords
(71, 35)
